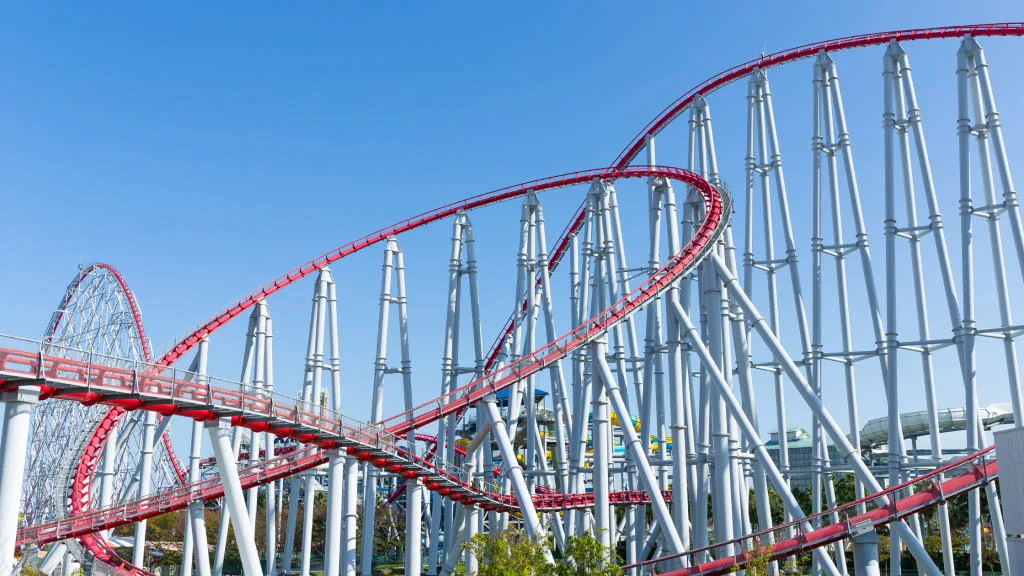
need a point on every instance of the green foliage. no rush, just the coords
(584, 555)
(388, 531)
(32, 571)
(760, 558)
(510, 553)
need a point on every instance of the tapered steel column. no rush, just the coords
(969, 331)
(106, 472)
(233, 496)
(295, 483)
(531, 522)
(682, 421)
(392, 268)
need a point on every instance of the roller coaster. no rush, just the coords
(650, 437)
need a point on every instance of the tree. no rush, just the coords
(388, 531)
(510, 553)
(775, 505)
(758, 561)
(585, 555)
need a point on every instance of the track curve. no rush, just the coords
(622, 161)
(94, 544)
(717, 206)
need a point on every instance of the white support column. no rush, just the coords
(413, 527)
(197, 519)
(106, 472)
(294, 488)
(531, 522)
(271, 506)
(295, 483)
(13, 451)
(678, 379)
(968, 329)
(332, 549)
(370, 473)
(716, 377)
(670, 536)
(852, 458)
(865, 554)
(234, 498)
(195, 542)
(349, 511)
(145, 484)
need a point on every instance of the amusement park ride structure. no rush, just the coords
(653, 442)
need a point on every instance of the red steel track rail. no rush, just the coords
(717, 205)
(83, 476)
(982, 468)
(94, 544)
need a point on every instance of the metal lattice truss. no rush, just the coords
(98, 314)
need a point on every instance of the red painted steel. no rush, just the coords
(98, 546)
(982, 471)
(686, 259)
(621, 164)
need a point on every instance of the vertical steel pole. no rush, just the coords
(717, 378)
(145, 485)
(350, 512)
(722, 492)
(13, 451)
(908, 117)
(678, 376)
(376, 410)
(814, 403)
(413, 533)
(106, 473)
(892, 338)
(865, 554)
(969, 332)
(271, 506)
(335, 483)
(295, 482)
(199, 543)
(314, 402)
(197, 519)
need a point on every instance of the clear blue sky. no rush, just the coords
(205, 149)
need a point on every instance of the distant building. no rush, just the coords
(801, 460)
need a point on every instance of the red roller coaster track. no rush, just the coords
(92, 542)
(83, 476)
(716, 208)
